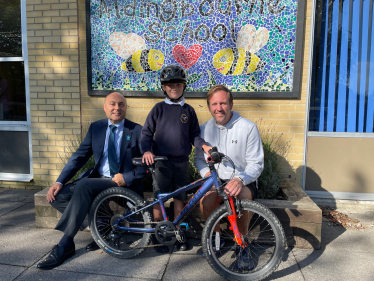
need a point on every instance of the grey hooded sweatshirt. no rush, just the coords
(240, 140)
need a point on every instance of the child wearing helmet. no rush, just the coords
(169, 130)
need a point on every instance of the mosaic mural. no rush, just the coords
(248, 45)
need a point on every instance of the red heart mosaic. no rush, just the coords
(187, 57)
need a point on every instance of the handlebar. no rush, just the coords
(215, 156)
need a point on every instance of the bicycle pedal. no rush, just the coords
(181, 237)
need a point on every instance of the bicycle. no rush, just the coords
(121, 224)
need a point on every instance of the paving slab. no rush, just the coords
(23, 246)
(366, 217)
(195, 248)
(347, 240)
(6, 207)
(34, 274)
(190, 267)
(21, 216)
(149, 264)
(9, 272)
(336, 265)
(18, 195)
(288, 269)
(2, 189)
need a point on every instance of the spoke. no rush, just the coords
(265, 251)
(261, 239)
(104, 205)
(103, 214)
(253, 223)
(117, 210)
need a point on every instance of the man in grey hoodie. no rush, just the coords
(239, 139)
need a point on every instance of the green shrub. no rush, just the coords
(274, 150)
(193, 173)
(71, 144)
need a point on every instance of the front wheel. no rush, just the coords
(263, 235)
(109, 206)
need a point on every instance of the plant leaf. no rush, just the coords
(193, 78)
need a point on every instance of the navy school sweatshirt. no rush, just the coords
(169, 130)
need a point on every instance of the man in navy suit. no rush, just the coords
(113, 142)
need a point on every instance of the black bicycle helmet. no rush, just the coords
(173, 74)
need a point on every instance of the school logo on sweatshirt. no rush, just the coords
(184, 118)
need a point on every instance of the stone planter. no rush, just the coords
(300, 216)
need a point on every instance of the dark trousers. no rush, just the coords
(74, 202)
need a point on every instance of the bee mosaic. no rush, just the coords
(144, 61)
(132, 48)
(242, 59)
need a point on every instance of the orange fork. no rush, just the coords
(234, 225)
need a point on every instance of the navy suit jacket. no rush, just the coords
(93, 144)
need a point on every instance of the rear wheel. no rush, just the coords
(109, 206)
(263, 235)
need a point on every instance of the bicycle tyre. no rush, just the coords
(264, 249)
(107, 207)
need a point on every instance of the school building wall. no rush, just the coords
(61, 107)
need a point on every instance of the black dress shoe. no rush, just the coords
(92, 247)
(182, 246)
(56, 257)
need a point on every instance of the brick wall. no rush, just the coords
(52, 35)
(60, 102)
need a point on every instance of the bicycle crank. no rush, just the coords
(165, 233)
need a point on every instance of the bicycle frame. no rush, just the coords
(206, 182)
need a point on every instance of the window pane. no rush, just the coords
(10, 28)
(12, 91)
(14, 152)
(342, 88)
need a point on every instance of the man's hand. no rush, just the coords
(234, 187)
(206, 149)
(148, 158)
(207, 175)
(118, 179)
(52, 192)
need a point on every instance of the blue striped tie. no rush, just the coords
(112, 155)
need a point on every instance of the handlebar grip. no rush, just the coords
(215, 156)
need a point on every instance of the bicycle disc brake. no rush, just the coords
(165, 233)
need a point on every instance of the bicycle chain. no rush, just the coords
(148, 246)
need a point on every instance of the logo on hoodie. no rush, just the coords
(234, 141)
(184, 118)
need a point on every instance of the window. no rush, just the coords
(15, 125)
(342, 93)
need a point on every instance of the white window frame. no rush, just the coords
(24, 126)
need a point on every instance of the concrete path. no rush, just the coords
(345, 254)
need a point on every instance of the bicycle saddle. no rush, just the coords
(138, 161)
